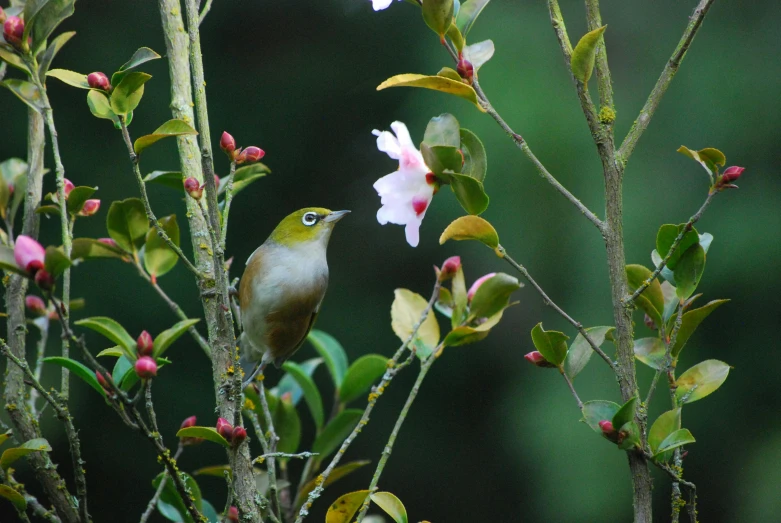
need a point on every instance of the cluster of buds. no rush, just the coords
(29, 256)
(465, 69)
(13, 31)
(35, 305)
(195, 189)
(249, 154)
(98, 80)
(233, 435)
(728, 177)
(190, 422)
(146, 366)
(89, 207)
(536, 358)
(449, 268)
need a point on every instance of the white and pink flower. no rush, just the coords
(406, 193)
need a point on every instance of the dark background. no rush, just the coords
(490, 438)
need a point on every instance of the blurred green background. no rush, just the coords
(490, 438)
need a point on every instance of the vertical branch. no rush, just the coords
(603, 71)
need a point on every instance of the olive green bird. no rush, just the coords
(283, 286)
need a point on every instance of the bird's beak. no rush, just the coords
(335, 216)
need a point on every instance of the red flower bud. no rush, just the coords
(476, 285)
(13, 30)
(606, 426)
(102, 380)
(465, 70)
(449, 268)
(251, 154)
(99, 80)
(108, 241)
(536, 358)
(35, 305)
(193, 188)
(227, 144)
(610, 432)
(238, 436)
(188, 422)
(44, 280)
(68, 187)
(224, 428)
(28, 254)
(731, 174)
(146, 367)
(233, 514)
(90, 207)
(145, 344)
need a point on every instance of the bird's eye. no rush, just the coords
(309, 219)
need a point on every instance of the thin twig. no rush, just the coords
(686, 228)
(604, 81)
(571, 388)
(300, 455)
(43, 329)
(270, 448)
(547, 301)
(676, 477)
(153, 502)
(206, 8)
(644, 118)
(226, 211)
(376, 392)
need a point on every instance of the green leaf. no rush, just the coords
(335, 432)
(551, 344)
(127, 223)
(460, 298)
(126, 96)
(391, 505)
(475, 162)
(111, 351)
(438, 15)
(28, 447)
(170, 495)
(406, 311)
(337, 474)
(493, 295)
(466, 334)
(12, 59)
(113, 331)
(666, 237)
(598, 410)
(159, 258)
(689, 271)
(468, 13)
(361, 375)
(471, 228)
(690, 321)
(87, 248)
(207, 433)
(79, 370)
(651, 300)
(580, 351)
(469, 193)
(447, 72)
(584, 54)
(55, 261)
(171, 179)
(70, 77)
(441, 158)
(123, 373)
(26, 92)
(288, 385)
(625, 414)
(246, 175)
(676, 439)
(168, 129)
(168, 336)
(664, 425)
(445, 303)
(45, 61)
(629, 433)
(700, 381)
(311, 394)
(142, 55)
(288, 426)
(218, 471)
(456, 37)
(650, 351)
(344, 508)
(332, 353)
(7, 260)
(478, 54)
(77, 197)
(710, 159)
(435, 83)
(47, 17)
(443, 130)
(14, 497)
(5, 436)
(100, 106)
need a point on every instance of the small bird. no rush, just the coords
(283, 286)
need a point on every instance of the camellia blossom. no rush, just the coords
(405, 194)
(379, 5)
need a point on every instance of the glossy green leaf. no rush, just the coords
(7, 260)
(580, 351)
(361, 375)
(126, 96)
(335, 432)
(168, 336)
(337, 474)
(288, 385)
(690, 321)
(288, 426)
(710, 159)
(456, 37)
(435, 83)
(12, 59)
(625, 414)
(551, 344)
(475, 160)
(598, 410)
(438, 15)
(87, 248)
(46, 58)
(100, 106)
(689, 271)
(493, 296)
(468, 13)
(28, 447)
(113, 331)
(651, 300)
(471, 228)
(123, 374)
(443, 130)
(78, 369)
(466, 334)
(142, 55)
(676, 439)
(207, 433)
(666, 237)
(700, 381)
(469, 193)
(14, 497)
(127, 223)
(344, 508)
(391, 505)
(159, 258)
(171, 179)
(167, 130)
(650, 351)
(112, 351)
(664, 425)
(48, 15)
(170, 495)
(441, 158)
(584, 54)
(445, 303)
(333, 354)
(248, 174)
(77, 197)
(629, 436)
(70, 77)
(460, 298)
(311, 394)
(55, 261)
(26, 92)
(478, 54)
(406, 311)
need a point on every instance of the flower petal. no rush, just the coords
(388, 143)
(412, 232)
(379, 5)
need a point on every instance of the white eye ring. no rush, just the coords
(309, 219)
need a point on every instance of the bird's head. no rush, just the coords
(311, 224)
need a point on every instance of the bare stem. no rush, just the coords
(691, 506)
(43, 329)
(206, 8)
(668, 361)
(228, 200)
(270, 448)
(571, 388)
(152, 502)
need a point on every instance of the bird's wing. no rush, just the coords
(287, 329)
(281, 359)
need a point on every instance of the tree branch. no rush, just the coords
(269, 445)
(571, 388)
(604, 81)
(228, 200)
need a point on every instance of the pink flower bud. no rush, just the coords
(99, 80)
(193, 188)
(13, 30)
(606, 426)
(731, 174)
(476, 285)
(449, 268)
(108, 241)
(224, 428)
(146, 367)
(227, 144)
(251, 154)
(536, 358)
(67, 187)
(90, 207)
(188, 422)
(28, 254)
(145, 344)
(238, 436)
(233, 514)
(102, 380)
(465, 70)
(35, 305)
(44, 280)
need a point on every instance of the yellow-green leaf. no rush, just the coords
(405, 313)
(391, 505)
(169, 128)
(126, 96)
(584, 54)
(28, 447)
(700, 381)
(471, 228)
(435, 83)
(70, 77)
(14, 497)
(710, 159)
(337, 474)
(207, 433)
(159, 258)
(112, 351)
(343, 509)
(551, 344)
(438, 15)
